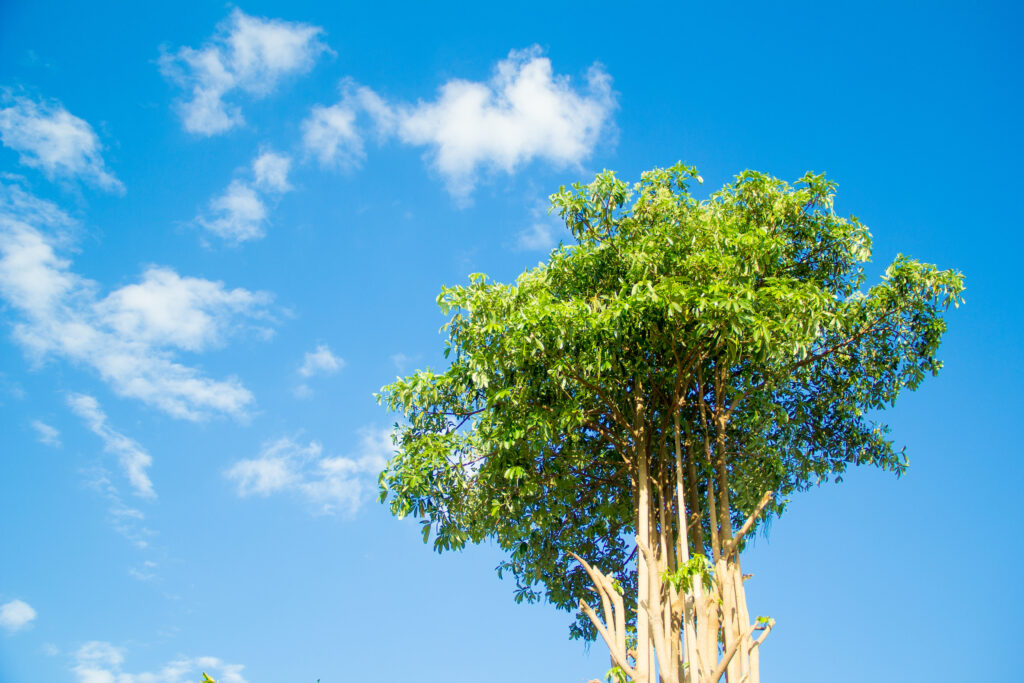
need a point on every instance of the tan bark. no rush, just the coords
(678, 630)
(643, 635)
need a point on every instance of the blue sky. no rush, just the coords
(222, 228)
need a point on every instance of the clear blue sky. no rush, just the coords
(223, 228)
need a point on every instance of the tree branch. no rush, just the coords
(619, 659)
(732, 544)
(727, 657)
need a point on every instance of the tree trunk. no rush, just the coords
(643, 632)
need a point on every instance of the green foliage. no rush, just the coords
(616, 675)
(525, 438)
(697, 569)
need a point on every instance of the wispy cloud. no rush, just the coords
(47, 435)
(16, 615)
(524, 112)
(538, 237)
(129, 337)
(401, 361)
(320, 362)
(328, 484)
(102, 662)
(331, 134)
(145, 572)
(237, 215)
(126, 520)
(542, 233)
(240, 213)
(270, 171)
(132, 457)
(247, 54)
(48, 137)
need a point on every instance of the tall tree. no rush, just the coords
(624, 416)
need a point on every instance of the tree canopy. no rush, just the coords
(725, 350)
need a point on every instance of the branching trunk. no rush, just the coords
(686, 631)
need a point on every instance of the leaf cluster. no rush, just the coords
(748, 307)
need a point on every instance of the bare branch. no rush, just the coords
(616, 617)
(727, 657)
(767, 628)
(732, 544)
(617, 657)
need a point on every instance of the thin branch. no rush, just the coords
(620, 661)
(767, 629)
(727, 657)
(732, 544)
(623, 422)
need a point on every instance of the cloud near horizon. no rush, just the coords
(131, 336)
(101, 662)
(248, 54)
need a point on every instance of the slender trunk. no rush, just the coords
(693, 633)
(695, 509)
(732, 627)
(747, 668)
(682, 558)
(643, 637)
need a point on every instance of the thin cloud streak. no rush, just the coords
(132, 457)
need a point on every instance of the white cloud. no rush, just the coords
(16, 615)
(143, 573)
(320, 362)
(538, 237)
(248, 54)
(127, 521)
(187, 312)
(129, 337)
(47, 435)
(132, 457)
(542, 233)
(330, 135)
(271, 171)
(100, 662)
(239, 214)
(524, 112)
(50, 138)
(329, 484)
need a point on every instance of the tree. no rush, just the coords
(624, 416)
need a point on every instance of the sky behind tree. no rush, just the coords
(222, 228)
